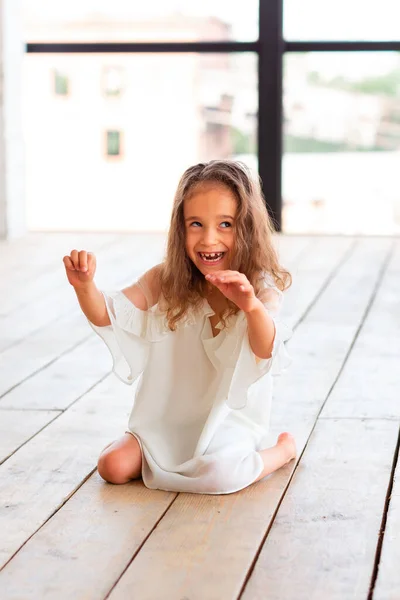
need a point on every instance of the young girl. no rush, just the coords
(200, 331)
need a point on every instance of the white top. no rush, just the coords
(202, 405)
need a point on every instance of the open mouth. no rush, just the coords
(211, 257)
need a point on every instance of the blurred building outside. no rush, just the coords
(108, 135)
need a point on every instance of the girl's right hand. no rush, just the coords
(80, 267)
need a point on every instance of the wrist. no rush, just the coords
(255, 308)
(85, 287)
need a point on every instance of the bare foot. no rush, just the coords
(286, 440)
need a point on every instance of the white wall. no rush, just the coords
(12, 157)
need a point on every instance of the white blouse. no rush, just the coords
(202, 404)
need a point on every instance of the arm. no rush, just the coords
(80, 268)
(92, 303)
(261, 330)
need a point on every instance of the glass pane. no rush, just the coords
(113, 143)
(113, 80)
(173, 110)
(342, 143)
(341, 20)
(127, 21)
(60, 84)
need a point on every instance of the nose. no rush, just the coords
(209, 237)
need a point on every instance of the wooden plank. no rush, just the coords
(40, 348)
(368, 387)
(41, 475)
(43, 574)
(331, 325)
(18, 426)
(54, 387)
(110, 521)
(369, 384)
(340, 521)
(291, 248)
(323, 541)
(318, 263)
(22, 281)
(50, 296)
(387, 585)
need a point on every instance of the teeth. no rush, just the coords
(211, 255)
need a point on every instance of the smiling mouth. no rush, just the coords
(211, 257)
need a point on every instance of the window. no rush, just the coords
(113, 143)
(113, 80)
(124, 21)
(341, 20)
(60, 83)
(342, 143)
(157, 124)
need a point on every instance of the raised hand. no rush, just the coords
(80, 267)
(236, 287)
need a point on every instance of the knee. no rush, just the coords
(112, 467)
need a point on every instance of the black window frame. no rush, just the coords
(270, 49)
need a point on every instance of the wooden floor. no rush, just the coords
(324, 527)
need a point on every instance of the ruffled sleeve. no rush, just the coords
(130, 334)
(248, 371)
(236, 352)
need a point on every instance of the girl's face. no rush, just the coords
(209, 216)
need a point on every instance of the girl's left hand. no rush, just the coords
(236, 287)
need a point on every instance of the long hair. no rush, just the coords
(182, 284)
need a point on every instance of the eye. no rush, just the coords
(195, 223)
(226, 224)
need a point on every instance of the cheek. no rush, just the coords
(230, 240)
(189, 242)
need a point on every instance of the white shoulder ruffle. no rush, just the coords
(150, 325)
(129, 335)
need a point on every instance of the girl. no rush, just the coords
(200, 331)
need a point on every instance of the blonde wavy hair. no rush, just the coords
(182, 285)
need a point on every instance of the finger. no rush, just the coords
(75, 258)
(68, 263)
(91, 261)
(222, 274)
(229, 278)
(83, 260)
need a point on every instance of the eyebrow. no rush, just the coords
(218, 217)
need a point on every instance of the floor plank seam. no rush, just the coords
(55, 511)
(272, 520)
(298, 258)
(324, 277)
(29, 439)
(37, 330)
(140, 547)
(368, 308)
(27, 409)
(60, 411)
(328, 280)
(54, 270)
(384, 521)
(345, 418)
(67, 351)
